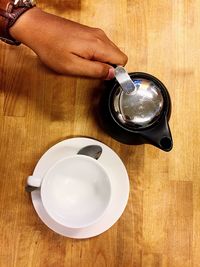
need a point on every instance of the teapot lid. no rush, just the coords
(140, 108)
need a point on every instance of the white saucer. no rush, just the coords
(119, 182)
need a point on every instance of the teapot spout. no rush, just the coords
(166, 143)
(160, 136)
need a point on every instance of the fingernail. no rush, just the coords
(111, 74)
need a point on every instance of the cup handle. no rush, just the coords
(33, 183)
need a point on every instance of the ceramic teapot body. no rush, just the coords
(140, 118)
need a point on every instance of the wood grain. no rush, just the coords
(160, 226)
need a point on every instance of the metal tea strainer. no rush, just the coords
(138, 102)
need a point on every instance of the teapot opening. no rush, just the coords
(166, 143)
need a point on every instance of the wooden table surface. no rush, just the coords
(38, 108)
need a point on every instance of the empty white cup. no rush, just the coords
(75, 191)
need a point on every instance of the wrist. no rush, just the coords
(10, 12)
(23, 27)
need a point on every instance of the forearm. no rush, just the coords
(67, 46)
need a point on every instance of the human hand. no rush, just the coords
(66, 46)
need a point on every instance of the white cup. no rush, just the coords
(75, 191)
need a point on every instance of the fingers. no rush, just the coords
(106, 51)
(99, 47)
(88, 68)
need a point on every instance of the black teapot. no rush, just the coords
(139, 117)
